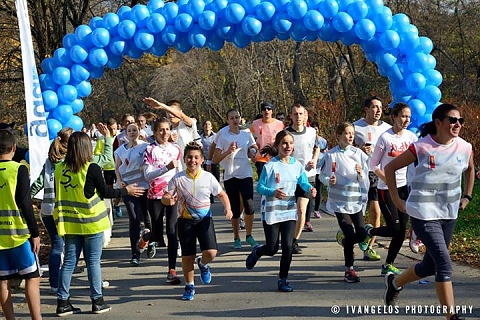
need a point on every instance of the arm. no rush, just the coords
(305, 185)
(262, 185)
(150, 172)
(218, 156)
(24, 203)
(107, 155)
(375, 161)
(469, 180)
(37, 185)
(399, 162)
(118, 163)
(226, 204)
(177, 113)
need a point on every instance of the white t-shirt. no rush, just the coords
(237, 164)
(186, 134)
(305, 143)
(389, 146)
(131, 167)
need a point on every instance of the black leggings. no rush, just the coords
(156, 209)
(318, 197)
(272, 234)
(137, 213)
(396, 222)
(347, 222)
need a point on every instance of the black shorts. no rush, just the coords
(110, 177)
(235, 187)
(300, 193)
(372, 192)
(191, 230)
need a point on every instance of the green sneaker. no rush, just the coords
(390, 268)
(371, 255)
(237, 244)
(340, 237)
(251, 241)
(364, 245)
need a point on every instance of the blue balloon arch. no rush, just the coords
(390, 41)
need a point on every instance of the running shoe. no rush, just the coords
(364, 244)
(308, 227)
(252, 258)
(391, 294)
(205, 274)
(134, 262)
(242, 224)
(99, 306)
(317, 215)
(118, 211)
(172, 277)
(390, 268)
(371, 255)
(142, 243)
(284, 286)
(237, 244)
(65, 308)
(189, 293)
(105, 284)
(415, 243)
(351, 276)
(151, 250)
(251, 241)
(296, 248)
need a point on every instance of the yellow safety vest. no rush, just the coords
(74, 213)
(99, 148)
(13, 228)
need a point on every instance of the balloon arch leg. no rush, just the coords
(390, 41)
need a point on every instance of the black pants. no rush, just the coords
(272, 234)
(347, 222)
(396, 222)
(137, 213)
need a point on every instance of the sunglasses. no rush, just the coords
(269, 109)
(453, 120)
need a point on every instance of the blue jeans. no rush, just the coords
(92, 251)
(56, 250)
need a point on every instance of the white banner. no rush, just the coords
(38, 140)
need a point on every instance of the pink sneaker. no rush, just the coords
(415, 243)
(317, 215)
(308, 227)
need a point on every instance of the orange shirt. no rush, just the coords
(264, 134)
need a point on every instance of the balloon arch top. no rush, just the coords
(390, 41)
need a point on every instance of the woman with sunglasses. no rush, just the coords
(436, 163)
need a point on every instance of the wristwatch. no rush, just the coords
(468, 197)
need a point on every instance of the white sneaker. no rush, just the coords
(179, 250)
(105, 284)
(415, 243)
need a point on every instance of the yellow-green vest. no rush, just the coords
(13, 228)
(74, 213)
(99, 149)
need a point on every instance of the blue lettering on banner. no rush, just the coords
(38, 127)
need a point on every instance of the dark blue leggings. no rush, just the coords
(436, 236)
(347, 222)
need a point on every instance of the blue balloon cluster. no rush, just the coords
(388, 40)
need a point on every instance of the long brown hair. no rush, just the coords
(79, 151)
(58, 148)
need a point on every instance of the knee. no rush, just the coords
(249, 207)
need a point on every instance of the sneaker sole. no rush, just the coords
(174, 281)
(102, 311)
(68, 313)
(351, 281)
(386, 288)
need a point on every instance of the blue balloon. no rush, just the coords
(389, 40)
(110, 22)
(418, 62)
(98, 57)
(433, 77)
(195, 7)
(250, 5)
(383, 20)
(357, 10)
(207, 20)
(328, 32)
(96, 22)
(313, 4)
(342, 22)
(133, 51)
(235, 13)
(409, 41)
(280, 5)
(139, 15)
(126, 29)
(225, 30)
(100, 37)
(66, 94)
(154, 5)
(251, 26)
(62, 57)
(53, 127)
(75, 122)
(386, 60)
(69, 41)
(83, 36)
(48, 65)
(183, 45)
(117, 45)
(298, 32)
(214, 42)
(159, 47)
(425, 45)
(218, 7)
(328, 8)
(114, 61)
(197, 37)
(265, 11)
(418, 108)
(431, 62)
(84, 89)
(79, 72)
(365, 29)
(123, 13)
(143, 40)
(183, 22)
(170, 12)
(240, 39)
(169, 35)
(283, 36)
(77, 105)
(416, 82)
(47, 82)
(430, 95)
(343, 4)
(61, 75)
(313, 20)
(96, 72)
(281, 22)
(268, 32)
(78, 54)
(374, 7)
(50, 99)
(62, 113)
(156, 22)
(349, 38)
(296, 9)
(400, 22)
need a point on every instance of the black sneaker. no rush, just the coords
(65, 308)
(252, 258)
(296, 248)
(456, 317)
(99, 306)
(391, 294)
